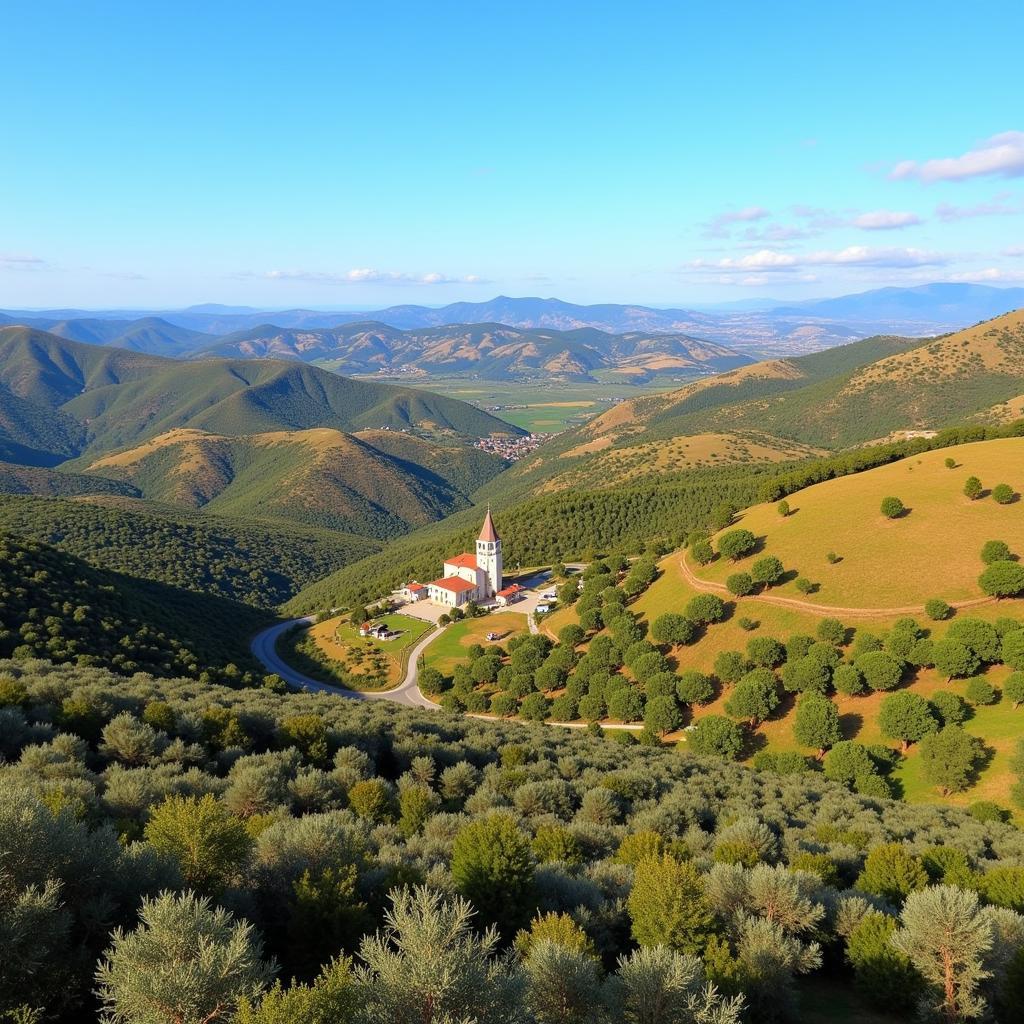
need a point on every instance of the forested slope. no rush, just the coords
(256, 562)
(55, 606)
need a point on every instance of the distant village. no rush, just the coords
(511, 448)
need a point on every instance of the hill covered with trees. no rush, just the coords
(60, 399)
(56, 606)
(260, 563)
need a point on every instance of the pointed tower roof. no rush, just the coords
(487, 531)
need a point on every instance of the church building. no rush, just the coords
(471, 576)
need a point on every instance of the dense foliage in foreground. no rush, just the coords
(231, 835)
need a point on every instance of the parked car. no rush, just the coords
(542, 608)
(491, 637)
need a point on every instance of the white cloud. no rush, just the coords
(1001, 155)
(20, 261)
(367, 275)
(773, 261)
(886, 220)
(863, 256)
(718, 226)
(987, 275)
(998, 206)
(764, 259)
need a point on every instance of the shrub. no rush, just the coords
(766, 652)
(186, 961)
(832, 631)
(492, 866)
(783, 508)
(936, 609)
(717, 735)
(747, 624)
(973, 488)
(949, 707)
(1002, 579)
(736, 544)
(892, 508)
(767, 571)
(881, 671)
(739, 584)
(694, 688)
(980, 692)
(705, 609)
(848, 681)
(995, 551)
(672, 628)
(1003, 494)
(804, 585)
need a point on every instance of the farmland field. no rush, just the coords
(541, 407)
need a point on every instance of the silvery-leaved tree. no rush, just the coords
(429, 966)
(186, 963)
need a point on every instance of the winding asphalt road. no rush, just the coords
(264, 648)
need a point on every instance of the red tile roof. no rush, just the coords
(509, 591)
(487, 531)
(463, 561)
(415, 586)
(455, 584)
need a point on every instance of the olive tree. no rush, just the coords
(186, 963)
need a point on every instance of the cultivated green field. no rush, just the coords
(549, 407)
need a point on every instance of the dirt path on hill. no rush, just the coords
(708, 587)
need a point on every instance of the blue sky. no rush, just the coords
(339, 154)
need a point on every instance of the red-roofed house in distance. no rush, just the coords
(509, 595)
(471, 576)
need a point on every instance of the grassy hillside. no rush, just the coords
(378, 483)
(930, 386)
(56, 606)
(61, 398)
(258, 563)
(931, 551)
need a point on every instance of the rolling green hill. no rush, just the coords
(375, 483)
(61, 398)
(835, 401)
(56, 606)
(256, 562)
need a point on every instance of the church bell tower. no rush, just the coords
(488, 554)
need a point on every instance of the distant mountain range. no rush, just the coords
(490, 350)
(784, 329)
